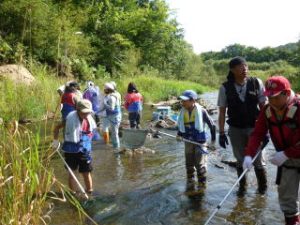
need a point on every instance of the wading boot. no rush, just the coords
(243, 184)
(190, 183)
(293, 220)
(261, 177)
(106, 137)
(202, 177)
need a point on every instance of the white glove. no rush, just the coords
(247, 164)
(278, 158)
(55, 144)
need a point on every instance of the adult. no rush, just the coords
(69, 98)
(92, 94)
(77, 146)
(133, 104)
(242, 97)
(112, 106)
(281, 117)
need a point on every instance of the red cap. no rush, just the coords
(275, 85)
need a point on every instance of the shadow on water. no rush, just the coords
(151, 189)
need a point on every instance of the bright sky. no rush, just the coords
(211, 25)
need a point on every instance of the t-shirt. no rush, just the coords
(241, 90)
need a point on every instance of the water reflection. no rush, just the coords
(151, 189)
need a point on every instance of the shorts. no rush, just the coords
(81, 161)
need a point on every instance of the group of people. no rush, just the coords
(255, 112)
(81, 116)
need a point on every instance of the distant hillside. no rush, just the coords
(289, 52)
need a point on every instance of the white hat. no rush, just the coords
(61, 88)
(90, 84)
(109, 85)
(114, 84)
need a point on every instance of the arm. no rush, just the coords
(221, 119)
(294, 150)
(126, 104)
(208, 120)
(258, 135)
(110, 103)
(262, 100)
(56, 130)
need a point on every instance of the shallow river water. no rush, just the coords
(150, 188)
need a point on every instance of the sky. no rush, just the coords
(211, 25)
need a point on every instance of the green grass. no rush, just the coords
(33, 102)
(157, 89)
(24, 179)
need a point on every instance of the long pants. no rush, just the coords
(288, 188)
(194, 159)
(239, 139)
(113, 121)
(134, 119)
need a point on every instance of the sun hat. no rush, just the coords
(84, 106)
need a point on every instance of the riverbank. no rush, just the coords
(40, 100)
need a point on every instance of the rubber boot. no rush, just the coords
(106, 137)
(243, 184)
(261, 177)
(293, 220)
(202, 177)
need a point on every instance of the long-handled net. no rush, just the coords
(134, 139)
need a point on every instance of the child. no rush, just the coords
(191, 123)
(133, 103)
(77, 144)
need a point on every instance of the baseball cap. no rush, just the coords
(84, 106)
(275, 85)
(188, 95)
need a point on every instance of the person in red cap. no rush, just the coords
(281, 117)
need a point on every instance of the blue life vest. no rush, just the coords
(92, 95)
(117, 109)
(190, 132)
(68, 104)
(84, 145)
(66, 109)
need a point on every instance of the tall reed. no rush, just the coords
(25, 177)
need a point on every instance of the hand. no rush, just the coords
(55, 144)
(178, 138)
(247, 164)
(223, 141)
(278, 158)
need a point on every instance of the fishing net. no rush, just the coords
(133, 139)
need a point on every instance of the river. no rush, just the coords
(151, 188)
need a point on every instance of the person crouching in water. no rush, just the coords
(281, 117)
(77, 146)
(133, 104)
(112, 106)
(191, 125)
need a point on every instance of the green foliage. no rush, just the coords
(157, 89)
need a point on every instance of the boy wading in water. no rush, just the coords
(191, 125)
(77, 146)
